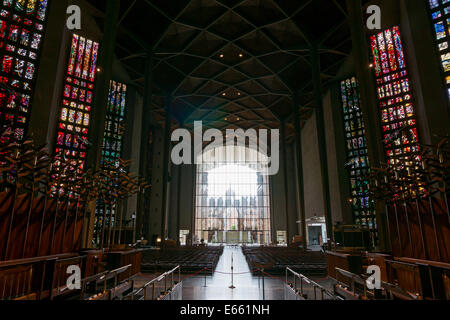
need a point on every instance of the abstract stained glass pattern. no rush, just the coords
(114, 127)
(112, 147)
(22, 28)
(398, 116)
(357, 155)
(440, 15)
(75, 114)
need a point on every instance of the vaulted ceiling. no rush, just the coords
(231, 63)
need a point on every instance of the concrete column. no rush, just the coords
(145, 163)
(316, 75)
(299, 165)
(285, 179)
(167, 144)
(48, 82)
(107, 47)
(431, 96)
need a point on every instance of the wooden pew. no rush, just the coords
(408, 277)
(345, 261)
(28, 278)
(379, 259)
(112, 287)
(118, 259)
(60, 276)
(434, 276)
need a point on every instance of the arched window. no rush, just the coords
(235, 181)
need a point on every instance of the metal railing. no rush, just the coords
(320, 293)
(102, 280)
(165, 281)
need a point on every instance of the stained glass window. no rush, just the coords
(398, 116)
(357, 155)
(22, 27)
(75, 114)
(233, 197)
(440, 15)
(114, 126)
(111, 149)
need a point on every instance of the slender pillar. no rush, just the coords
(179, 169)
(301, 183)
(145, 162)
(369, 104)
(107, 47)
(285, 178)
(320, 122)
(165, 181)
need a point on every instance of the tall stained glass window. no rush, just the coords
(357, 155)
(398, 114)
(75, 115)
(112, 148)
(440, 14)
(114, 126)
(233, 197)
(22, 27)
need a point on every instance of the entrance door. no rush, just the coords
(315, 234)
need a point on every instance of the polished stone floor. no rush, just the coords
(247, 286)
(217, 286)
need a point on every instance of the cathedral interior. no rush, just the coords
(224, 150)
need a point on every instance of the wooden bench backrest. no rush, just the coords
(16, 282)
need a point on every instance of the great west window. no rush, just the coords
(233, 199)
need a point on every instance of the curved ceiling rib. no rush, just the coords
(234, 62)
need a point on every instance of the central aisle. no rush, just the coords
(217, 287)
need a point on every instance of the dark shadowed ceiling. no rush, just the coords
(231, 62)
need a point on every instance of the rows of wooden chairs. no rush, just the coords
(190, 259)
(280, 258)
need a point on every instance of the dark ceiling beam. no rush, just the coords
(306, 37)
(331, 32)
(127, 12)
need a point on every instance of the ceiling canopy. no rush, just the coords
(231, 63)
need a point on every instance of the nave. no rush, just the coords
(148, 147)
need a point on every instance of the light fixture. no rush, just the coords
(99, 69)
(371, 65)
(221, 56)
(241, 55)
(238, 119)
(224, 94)
(159, 240)
(239, 94)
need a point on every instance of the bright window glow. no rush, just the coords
(233, 200)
